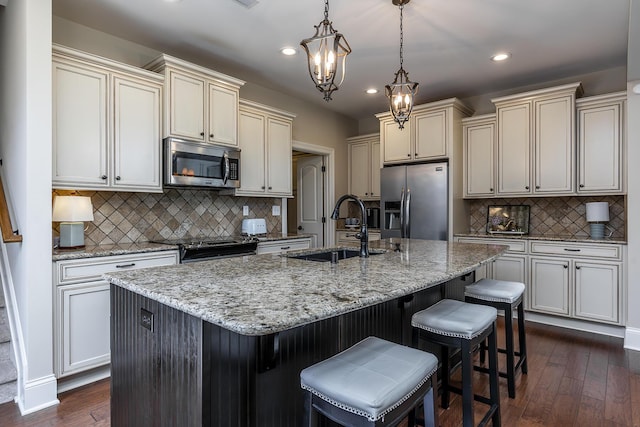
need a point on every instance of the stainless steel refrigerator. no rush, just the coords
(414, 201)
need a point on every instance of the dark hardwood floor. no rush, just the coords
(575, 379)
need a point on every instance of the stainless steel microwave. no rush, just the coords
(198, 164)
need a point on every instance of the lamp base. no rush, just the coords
(71, 235)
(597, 231)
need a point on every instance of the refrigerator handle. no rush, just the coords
(407, 216)
(402, 213)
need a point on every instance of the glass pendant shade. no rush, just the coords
(327, 52)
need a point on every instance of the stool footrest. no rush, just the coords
(476, 397)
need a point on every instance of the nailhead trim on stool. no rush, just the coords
(507, 296)
(456, 324)
(373, 383)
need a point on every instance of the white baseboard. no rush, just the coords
(632, 339)
(596, 328)
(84, 378)
(38, 394)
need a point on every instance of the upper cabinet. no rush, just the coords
(601, 144)
(479, 142)
(429, 135)
(536, 142)
(106, 124)
(200, 104)
(364, 166)
(265, 159)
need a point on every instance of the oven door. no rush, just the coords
(195, 164)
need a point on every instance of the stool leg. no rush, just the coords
(467, 383)
(429, 403)
(309, 414)
(511, 372)
(493, 374)
(522, 338)
(444, 357)
(483, 351)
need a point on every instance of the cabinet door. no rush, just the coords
(80, 120)
(553, 147)
(252, 156)
(397, 142)
(597, 290)
(375, 170)
(511, 268)
(550, 285)
(137, 158)
(186, 104)
(599, 149)
(223, 115)
(514, 136)
(279, 157)
(479, 160)
(83, 325)
(359, 167)
(430, 135)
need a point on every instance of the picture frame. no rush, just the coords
(508, 219)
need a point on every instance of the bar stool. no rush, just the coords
(373, 383)
(459, 325)
(507, 296)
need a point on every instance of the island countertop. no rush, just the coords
(264, 294)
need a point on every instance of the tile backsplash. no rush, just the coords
(554, 216)
(177, 213)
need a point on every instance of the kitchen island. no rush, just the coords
(222, 342)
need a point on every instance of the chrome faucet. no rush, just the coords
(363, 234)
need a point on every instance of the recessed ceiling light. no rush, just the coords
(372, 91)
(500, 57)
(288, 51)
(172, 1)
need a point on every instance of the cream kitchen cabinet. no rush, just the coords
(479, 143)
(536, 142)
(265, 160)
(433, 132)
(583, 281)
(284, 245)
(344, 237)
(106, 124)
(200, 104)
(364, 166)
(82, 308)
(601, 144)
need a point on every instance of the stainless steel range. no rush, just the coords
(193, 249)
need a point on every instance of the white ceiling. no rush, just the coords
(447, 45)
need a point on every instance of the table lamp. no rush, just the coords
(71, 212)
(597, 215)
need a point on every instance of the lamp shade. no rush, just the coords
(597, 212)
(72, 209)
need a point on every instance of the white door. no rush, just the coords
(311, 198)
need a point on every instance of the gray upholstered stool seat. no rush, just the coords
(507, 296)
(372, 380)
(459, 325)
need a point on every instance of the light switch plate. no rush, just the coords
(245, 211)
(275, 210)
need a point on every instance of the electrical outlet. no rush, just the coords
(275, 210)
(146, 319)
(245, 211)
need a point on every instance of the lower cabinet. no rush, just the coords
(349, 237)
(81, 312)
(285, 245)
(550, 285)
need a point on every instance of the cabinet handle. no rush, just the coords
(581, 185)
(284, 248)
(537, 187)
(125, 265)
(565, 266)
(526, 187)
(577, 267)
(571, 250)
(201, 133)
(118, 178)
(409, 155)
(103, 177)
(210, 135)
(366, 194)
(262, 187)
(416, 154)
(269, 187)
(491, 189)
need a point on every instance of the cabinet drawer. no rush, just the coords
(283, 246)
(82, 270)
(514, 245)
(577, 249)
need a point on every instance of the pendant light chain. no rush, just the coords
(326, 10)
(401, 37)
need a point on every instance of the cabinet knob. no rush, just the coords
(201, 133)
(118, 178)
(491, 189)
(262, 187)
(269, 187)
(103, 177)
(366, 194)
(537, 187)
(416, 154)
(210, 135)
(565, 266)
(581, 185)
(526, 187)
(577, 267)
(409, 155)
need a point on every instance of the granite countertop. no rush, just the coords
(264, 294)
(108, 250)
(557, 238)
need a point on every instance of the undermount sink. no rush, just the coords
(325, 255)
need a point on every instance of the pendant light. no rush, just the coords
(402, 91)
(327, 54)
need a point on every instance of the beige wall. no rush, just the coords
(313, 124)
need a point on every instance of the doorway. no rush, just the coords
(309, 210)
